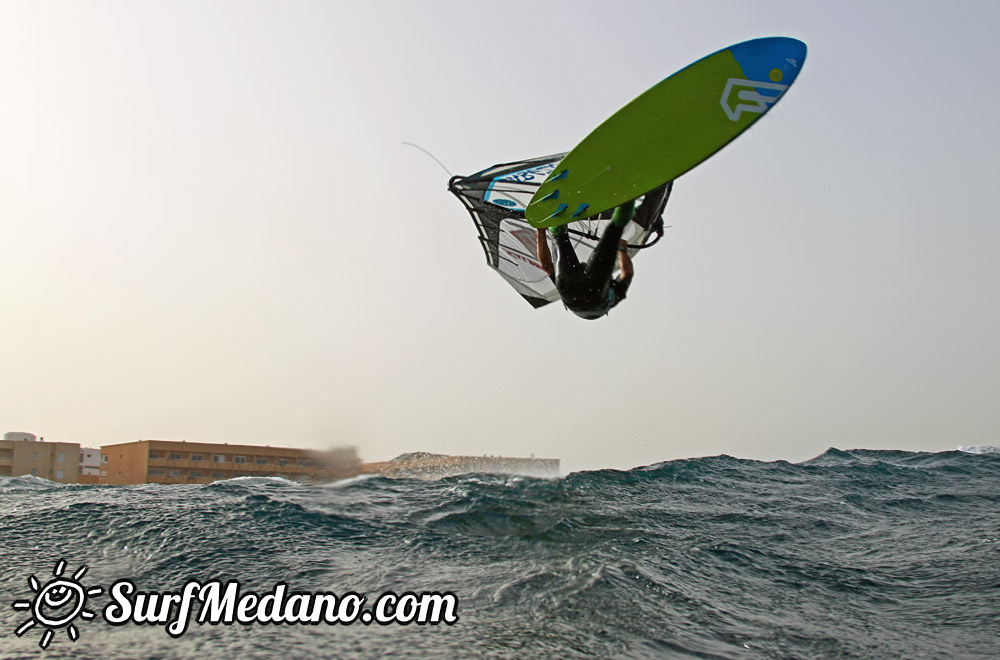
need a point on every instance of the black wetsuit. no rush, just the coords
(588, 290)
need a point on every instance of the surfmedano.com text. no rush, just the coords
(226, 604)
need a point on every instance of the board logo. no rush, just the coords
(754, 96)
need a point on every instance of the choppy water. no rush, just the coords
(861, 554)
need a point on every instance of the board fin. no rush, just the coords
(559, 211)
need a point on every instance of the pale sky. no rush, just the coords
(211, 231)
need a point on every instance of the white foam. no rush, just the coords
(980, 449)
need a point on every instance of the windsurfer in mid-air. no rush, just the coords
(589, 290)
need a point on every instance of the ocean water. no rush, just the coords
(854, 554)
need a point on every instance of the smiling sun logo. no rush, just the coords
(57, 604)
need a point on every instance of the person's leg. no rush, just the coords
(567, 259)
(571, 278)
(623, 214)
(602, 261)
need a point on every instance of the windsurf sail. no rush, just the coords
(496, 198)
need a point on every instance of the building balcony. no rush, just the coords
(166, 479)
(212, 471)
(186, 463)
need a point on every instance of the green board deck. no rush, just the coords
(669, 129)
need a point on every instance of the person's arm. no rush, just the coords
(625, 264)
(544, 255)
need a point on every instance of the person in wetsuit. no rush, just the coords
(588, 290)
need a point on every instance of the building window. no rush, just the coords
(194, 473)
(175, 457)
(239, 459)
(34, 472)
(197, 457)
(154, 455)
(60, 474)
(305, 462)
(104, 458)
(175, 473)
(61, 457)
(219, 458)
(261, 461)
(34, 455)
(282, 461)
(218, 475)
(154, 472)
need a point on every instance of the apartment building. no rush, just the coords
(90, 465)
(23, 453)
(180, 462)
